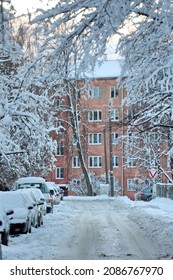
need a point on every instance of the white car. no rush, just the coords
(22, 216)
(54, 192)
(29, 199)
(41, 202)
(61, 191)
(5, 216)
(36, 183)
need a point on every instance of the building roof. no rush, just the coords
(108, 69)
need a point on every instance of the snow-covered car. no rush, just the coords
(29, 199)
(40, 200)
(37, 183)
(40, 204)
(60, 190)
(22, 216)
(5, 216)
(54, 192)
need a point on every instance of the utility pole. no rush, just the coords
(111, 158)
(105, 155)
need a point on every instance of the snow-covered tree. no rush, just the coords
(145, 31)
(25, 112)
(147, 50)
(78, 185)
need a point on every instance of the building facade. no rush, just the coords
(104, 134)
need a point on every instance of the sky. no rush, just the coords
(22, 6)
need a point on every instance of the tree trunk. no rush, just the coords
(73, 101)
(85, 171)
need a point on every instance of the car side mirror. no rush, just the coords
(41, 203)
(9, 212)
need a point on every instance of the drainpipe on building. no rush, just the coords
(111, 159)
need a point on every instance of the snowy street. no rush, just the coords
(99, 228)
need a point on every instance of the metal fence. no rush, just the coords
(164, 190)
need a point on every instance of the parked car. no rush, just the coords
(41, 202)
(5, 216)
(54, 192)
(60, 190)
(22, 216)
(37, 183)
(30, 199)
(61, 193)
(146, 193)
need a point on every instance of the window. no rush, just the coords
(131, 162)
(115, 161)
(131, 185)
(130, 137)
(95, 92)
(59, 173)
(153, 137)
(75, 162)
(95, 138)
(115, 115)
(74, 141)
(59, 102)
(115, 137)
(95, 161)
(60, 149)
(113, 91)
(153, 161)
(95, 115)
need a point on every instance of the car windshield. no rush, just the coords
(39, 186)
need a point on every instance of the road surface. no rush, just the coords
(104, 230)
(97, 229)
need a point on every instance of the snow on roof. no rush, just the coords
(25, 180)
(108, 69)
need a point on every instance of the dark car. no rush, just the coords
(146, 193)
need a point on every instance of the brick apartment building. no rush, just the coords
(102, 97)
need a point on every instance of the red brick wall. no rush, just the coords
(98, 150)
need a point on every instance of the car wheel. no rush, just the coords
(39, 221)
(5, 238)
(25, 230)
(50, 209)
(29, 229)
(0, 252)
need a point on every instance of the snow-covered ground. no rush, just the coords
(99, 228)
